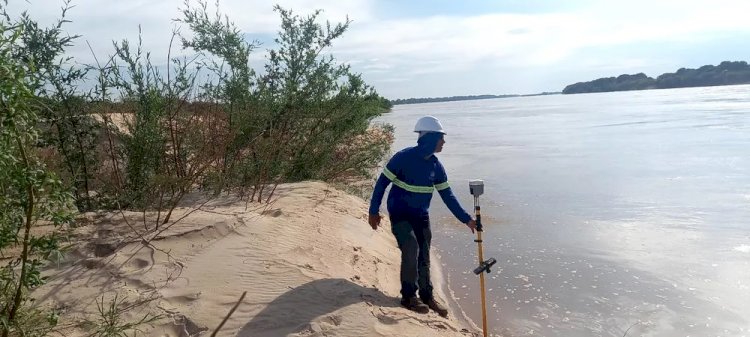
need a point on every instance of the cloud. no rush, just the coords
(415, 47)
(102, 21)
(395, 49)
(534, 39)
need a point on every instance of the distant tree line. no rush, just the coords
(726, 73)
(459, 98)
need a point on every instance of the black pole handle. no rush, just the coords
(478, 213)
(485, 266)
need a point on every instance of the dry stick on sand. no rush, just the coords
(147, 242)
(229, 314)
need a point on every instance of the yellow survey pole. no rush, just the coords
(477, 188)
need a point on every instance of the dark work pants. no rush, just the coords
(413, 236)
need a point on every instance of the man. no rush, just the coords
(415, 173)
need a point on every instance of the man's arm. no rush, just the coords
(377, 194)
(447, 195)
(450, 200)
(390, 170)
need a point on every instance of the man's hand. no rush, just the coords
(472, 224)
(374, 221)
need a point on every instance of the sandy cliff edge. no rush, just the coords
(310, 264)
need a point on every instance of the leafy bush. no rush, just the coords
(30, 192)
(303, 116)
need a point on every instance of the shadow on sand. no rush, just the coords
(294, 310)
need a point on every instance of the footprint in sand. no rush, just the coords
(92, 263)
(335, 320)
(183, 299)
(139, 264)
(136, 265)
(385, 319)
(274, 213)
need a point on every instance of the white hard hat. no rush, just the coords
(429, 124)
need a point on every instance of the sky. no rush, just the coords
(442, 48)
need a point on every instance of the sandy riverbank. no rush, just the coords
(310, 264)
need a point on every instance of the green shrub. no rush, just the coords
(30, 192)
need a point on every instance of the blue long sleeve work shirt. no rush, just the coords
(415, 173)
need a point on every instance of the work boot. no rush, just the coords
(413, 304)
(437, 307)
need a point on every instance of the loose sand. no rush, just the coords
(309, 262)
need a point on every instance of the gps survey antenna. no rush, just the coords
(476, 188)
